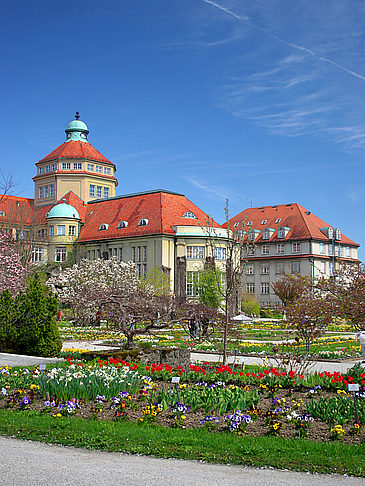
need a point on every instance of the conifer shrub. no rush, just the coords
(28, 321)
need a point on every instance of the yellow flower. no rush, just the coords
(183, 417)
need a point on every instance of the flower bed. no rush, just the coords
(216, 398)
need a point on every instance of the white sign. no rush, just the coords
(42, 367)
(354, 387)
(175, 379)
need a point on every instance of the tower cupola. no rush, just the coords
(77, 130)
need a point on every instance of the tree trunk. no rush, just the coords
(130, 344)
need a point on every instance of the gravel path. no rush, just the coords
(38, 464)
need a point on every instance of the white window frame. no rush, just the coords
(265, 250)
(71, 230)
(250, 269)
(294, 267)
(92, 190)
(107, 170)
(106, 192)
(99, 190)
(264, 269)
(37, 255)
(61, 230)
(265, 288)
(322, 249)
(99, 169)
(77, 166)
(66, 165)
(280, 249)
(296, 247)
(90, 167)
(250, 288)
(195, 252)
(60, 255)
(219, 253)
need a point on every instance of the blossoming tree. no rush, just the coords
(12, 272)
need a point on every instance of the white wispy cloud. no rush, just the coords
(210, 191)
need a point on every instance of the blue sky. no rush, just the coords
(260, 101)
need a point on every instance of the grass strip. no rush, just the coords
(198, 444)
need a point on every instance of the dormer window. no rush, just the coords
(103, 227)
(235, 225)
(266, 234)
(264, 221)
(143, 222)
(338, 234)
(277, 220)
(122, 224)
(239, 234)
(283, 231)
(2, 213)
(189, 214)
(330, 233)
(249, 223)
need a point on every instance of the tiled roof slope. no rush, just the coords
(163, 209)
(19, 209)
(40, 212)
(303, 224)
(76, 150)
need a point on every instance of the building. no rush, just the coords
(288, 238)
(75, 211)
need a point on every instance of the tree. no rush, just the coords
(346, 292)
(206, 285)
(158, 281)
(27, 322)
(291, 287)
(86, 283)
(232, 268)
(12, 272)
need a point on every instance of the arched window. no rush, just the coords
(190, 215)
(143, 222)
(122, 224)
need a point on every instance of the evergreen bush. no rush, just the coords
(27, 322)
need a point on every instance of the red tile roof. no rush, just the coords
(76, 150)
(18, 209)
(303, 224)
(163, 209)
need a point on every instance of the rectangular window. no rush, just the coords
(330, 249)
(265, 288)
(71, 230)
(41, 170)
(251, 251)
(77, 166)
(110, 253)
(115, 251)
(219, 253)
(48, 168)
(61, 229)
(37, 254)
(280, 267)
(296, 247)
(45, 191)
(250, 269)
(144, 253)
(66, 165)
(90, 167)
(191, 289)
(98, 191)
(265, 249)
(139, 270)
(92, 190)
(107, 170)
(250, 288)
(98, 253)
(40, 192)
(106, 192)
(51, 230)
(51, 190)
(138, 253)
(281, 233)
(134, 254)
(348, 251)
(60, 254)
(265, 269)
(195, 252)
(331, 268)
(322, 248)
(295, 267)
(280, 249)
(120, 254)
(54, 167)
(99, 169)
(323, 267)
(339, 250)
(94, 254)
(144, 269)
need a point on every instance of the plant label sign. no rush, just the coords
(175, 379)
(353, 387)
